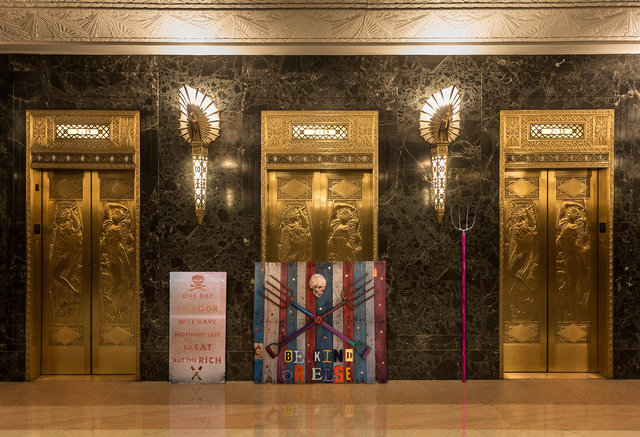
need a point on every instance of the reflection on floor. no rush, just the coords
(531, 407)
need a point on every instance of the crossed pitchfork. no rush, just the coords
(284, 299)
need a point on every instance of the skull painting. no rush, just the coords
(317, 283)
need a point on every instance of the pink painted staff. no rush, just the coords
(464, 230)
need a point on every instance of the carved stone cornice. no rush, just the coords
(54, 26)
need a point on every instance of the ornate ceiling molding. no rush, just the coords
(165, 26)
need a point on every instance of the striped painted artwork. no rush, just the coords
(320, 322)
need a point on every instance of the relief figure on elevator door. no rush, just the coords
(345, 233)
(573, 248)
(522, 260)
(117, 251)
(65, 255)
(294, 233)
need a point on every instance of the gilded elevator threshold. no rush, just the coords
(88, 378)
(547, 375)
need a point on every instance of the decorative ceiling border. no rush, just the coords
(287, 4)
(53, 25)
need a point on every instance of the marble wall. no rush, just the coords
(423, 256)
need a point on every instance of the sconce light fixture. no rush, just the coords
(200, 126)
(439, 126)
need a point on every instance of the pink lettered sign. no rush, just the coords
(197, 327)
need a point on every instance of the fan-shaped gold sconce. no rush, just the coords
(439, 126)
(200, 126)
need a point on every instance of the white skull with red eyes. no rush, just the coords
(317, 283)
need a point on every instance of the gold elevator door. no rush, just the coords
(550, 271)
(88, 272)
(319, 216)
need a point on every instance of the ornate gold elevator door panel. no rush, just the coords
(289, 215)
(573, 266)
(550, 271)
(319, 216)
(525, 271)
(66, 276)
(114, 281)
(89, 323)
(348, 216)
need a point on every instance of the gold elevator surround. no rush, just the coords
(319, 185)
(83, 298)
(556, 215)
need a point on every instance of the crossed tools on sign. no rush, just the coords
(352, 299)
(196, 372)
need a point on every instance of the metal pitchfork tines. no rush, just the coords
(466, 226)
(464, 229)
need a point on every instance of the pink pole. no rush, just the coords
(464, 318)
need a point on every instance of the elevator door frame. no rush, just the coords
(565, 139)
(331, 141)
(73, 140)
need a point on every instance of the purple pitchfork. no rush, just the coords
(464, 230)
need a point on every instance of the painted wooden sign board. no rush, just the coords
(320, 322)
(197, 327)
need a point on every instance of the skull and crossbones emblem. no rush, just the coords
(317, 283)
(197, 282)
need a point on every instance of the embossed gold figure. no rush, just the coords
(345, 233)
(522, 260)
(294, 238)
(116, 266)
(66, 260)
(573, 250)
(194, 128)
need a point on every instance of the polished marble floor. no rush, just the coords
(522, 406)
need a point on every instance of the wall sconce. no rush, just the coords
(439, 126)
(200, 126)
